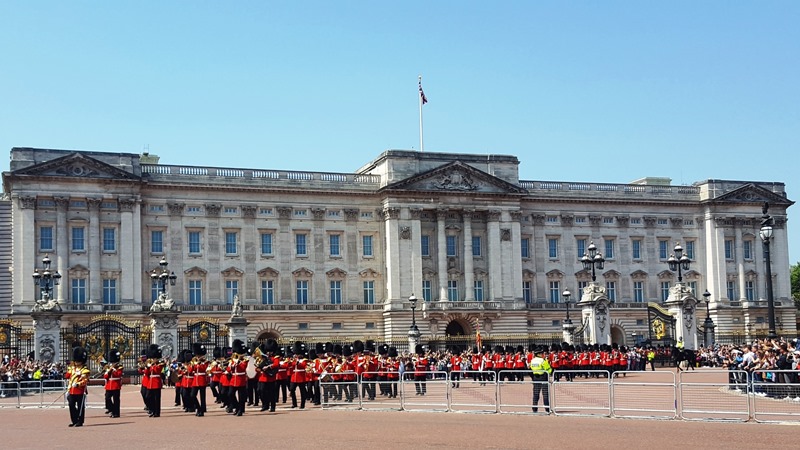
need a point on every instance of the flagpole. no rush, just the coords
(421, 97)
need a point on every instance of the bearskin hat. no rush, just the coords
(392, 352)
(113, 356)
(79, 355)
(299, 348)
(328, 348)
(217, 352)
(337, 349)
(319, 348)
(153, 351)
(347, 350)
(358, 346)
(370, 345)
(419, 349)
(383, 349)
(199, 349)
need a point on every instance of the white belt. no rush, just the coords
(240, 373)
(114, 379)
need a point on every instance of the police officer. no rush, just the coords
(541, 376)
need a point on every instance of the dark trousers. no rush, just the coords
(189, 403)
(293, 387)
(368, 388)
(313, 392)
(178, 396)
(215, 390)
(199, 399)
(112, 402)
(143, 391)
(540, 386)
(77, 408)
(455, 377)
(420, 384)
(284, 387)
(252, 398)
(240, 396)
(267, 393)
(154, 402)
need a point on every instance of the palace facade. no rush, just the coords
(317, 256)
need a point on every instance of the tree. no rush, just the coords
(795, 277)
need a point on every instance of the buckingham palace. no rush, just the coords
(270, 253)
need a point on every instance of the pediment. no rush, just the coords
(456, 177)
(752, 193)
(76, 165)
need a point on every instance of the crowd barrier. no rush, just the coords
(661, 394)
(47, 394)
(707, 394)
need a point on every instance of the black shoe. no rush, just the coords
(240, 413)
(272, 410)
(115, 416)
(200, 414)
(78, 424)
(151, 415)
(263, 409)
(71, 425)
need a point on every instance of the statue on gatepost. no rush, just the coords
(236, 311)
(163, 304)
(46, 304)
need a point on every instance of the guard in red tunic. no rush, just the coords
(200, 372)
(145, 383)
(455, 368)
(113, 376)
(475, 361)
(392, 371)
(216, 374)
(78, 376)
(238, 367)
(420, 370)
(154, 370)
(298, 377)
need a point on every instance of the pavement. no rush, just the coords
(333, 429)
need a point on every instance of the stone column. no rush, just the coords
(415, 265)
(95, 246)
(595, 307)
(441, 249)
(683, 305)
(24, 246)
(515, 277)
(469, 269)
(395, 261)
(62, 247)
(128, 240)
(739, 259)
(495, 255)
(165, 331)
(47, 335)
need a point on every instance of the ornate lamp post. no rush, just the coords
(162, 277)
(592, 259)
(766, 236)
(708, 324)
(568, 327)
(46, 280)
(678, 260)
(413, 331)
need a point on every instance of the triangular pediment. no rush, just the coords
(76, 165)
(456, 177)
(752, 193)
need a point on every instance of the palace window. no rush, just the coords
(78, 239)
(195, 292)
(266, 243)
(267, 292)
(156, 241)
(301, 292)
(369, 292)
(78, 290)
(336, 292)
(46, 239)
(109, 291)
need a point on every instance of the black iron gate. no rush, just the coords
(16, 341)
(661, 326)
(104, 333)
(203, 331)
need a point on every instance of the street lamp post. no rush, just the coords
(678, 260)
(708, 324)
(568, 327)
(592, 259)
(766, 235)
(413, 331)
(163, 276)
(46, 280)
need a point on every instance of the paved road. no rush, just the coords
(348, 429)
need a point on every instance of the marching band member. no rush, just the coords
(392, 372)
(298, 378)
(216, 374)
(145, 383)
(153, 371)
(189, 404)
(238, 368)
(200, 382)
(78, 376)
(283, 373)
(420, 370)
(113, 376)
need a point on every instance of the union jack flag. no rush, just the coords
(422, 94)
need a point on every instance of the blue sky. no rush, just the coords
(579, 91)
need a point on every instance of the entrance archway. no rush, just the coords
(264, 335)
(454, 328)
(617, 335)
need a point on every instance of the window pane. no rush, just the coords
(367, 241)
(300, 244)
(452, 246)
(267, 292)
(46, 238)
(78, 239)
(476, 246)
(334, 244)
(109, 240)
(156, 242)
(194, 242)
(609, 249)
(425, 248)
(230, 243)
(525, 250)
(266, 243)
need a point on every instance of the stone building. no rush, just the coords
(315, 255)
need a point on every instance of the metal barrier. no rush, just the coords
(428, 395)
(374, 395)
(643, 394)
(721, 400)
(474, 393)
(581, 393)
(775, 395)
(338, 393)
(9, 394)
(515, 391)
